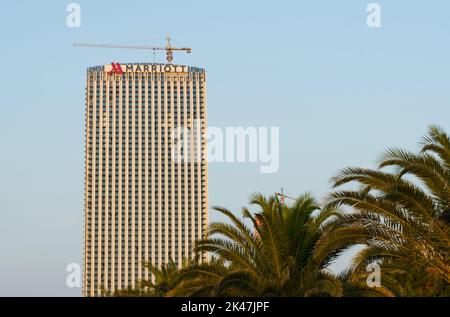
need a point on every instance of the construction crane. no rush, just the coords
(168, 48)
(283, 196)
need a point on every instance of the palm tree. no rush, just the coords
(203, 279)
(271, 257)
(165, 279)
(401, 214)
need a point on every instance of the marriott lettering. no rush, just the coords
(151, 68)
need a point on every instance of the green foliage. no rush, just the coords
(400, 212)
(273, 257)
(401, 215)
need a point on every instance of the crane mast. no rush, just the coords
(283, 196)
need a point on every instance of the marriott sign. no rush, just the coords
(145, 68)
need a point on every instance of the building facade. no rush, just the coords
(146, 196)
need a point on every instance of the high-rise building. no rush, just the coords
(146, 194)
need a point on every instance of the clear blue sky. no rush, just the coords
(339, 91)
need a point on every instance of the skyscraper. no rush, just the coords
(143, 200)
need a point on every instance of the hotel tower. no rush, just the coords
(146, 193)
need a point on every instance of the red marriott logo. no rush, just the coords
(116, 68)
